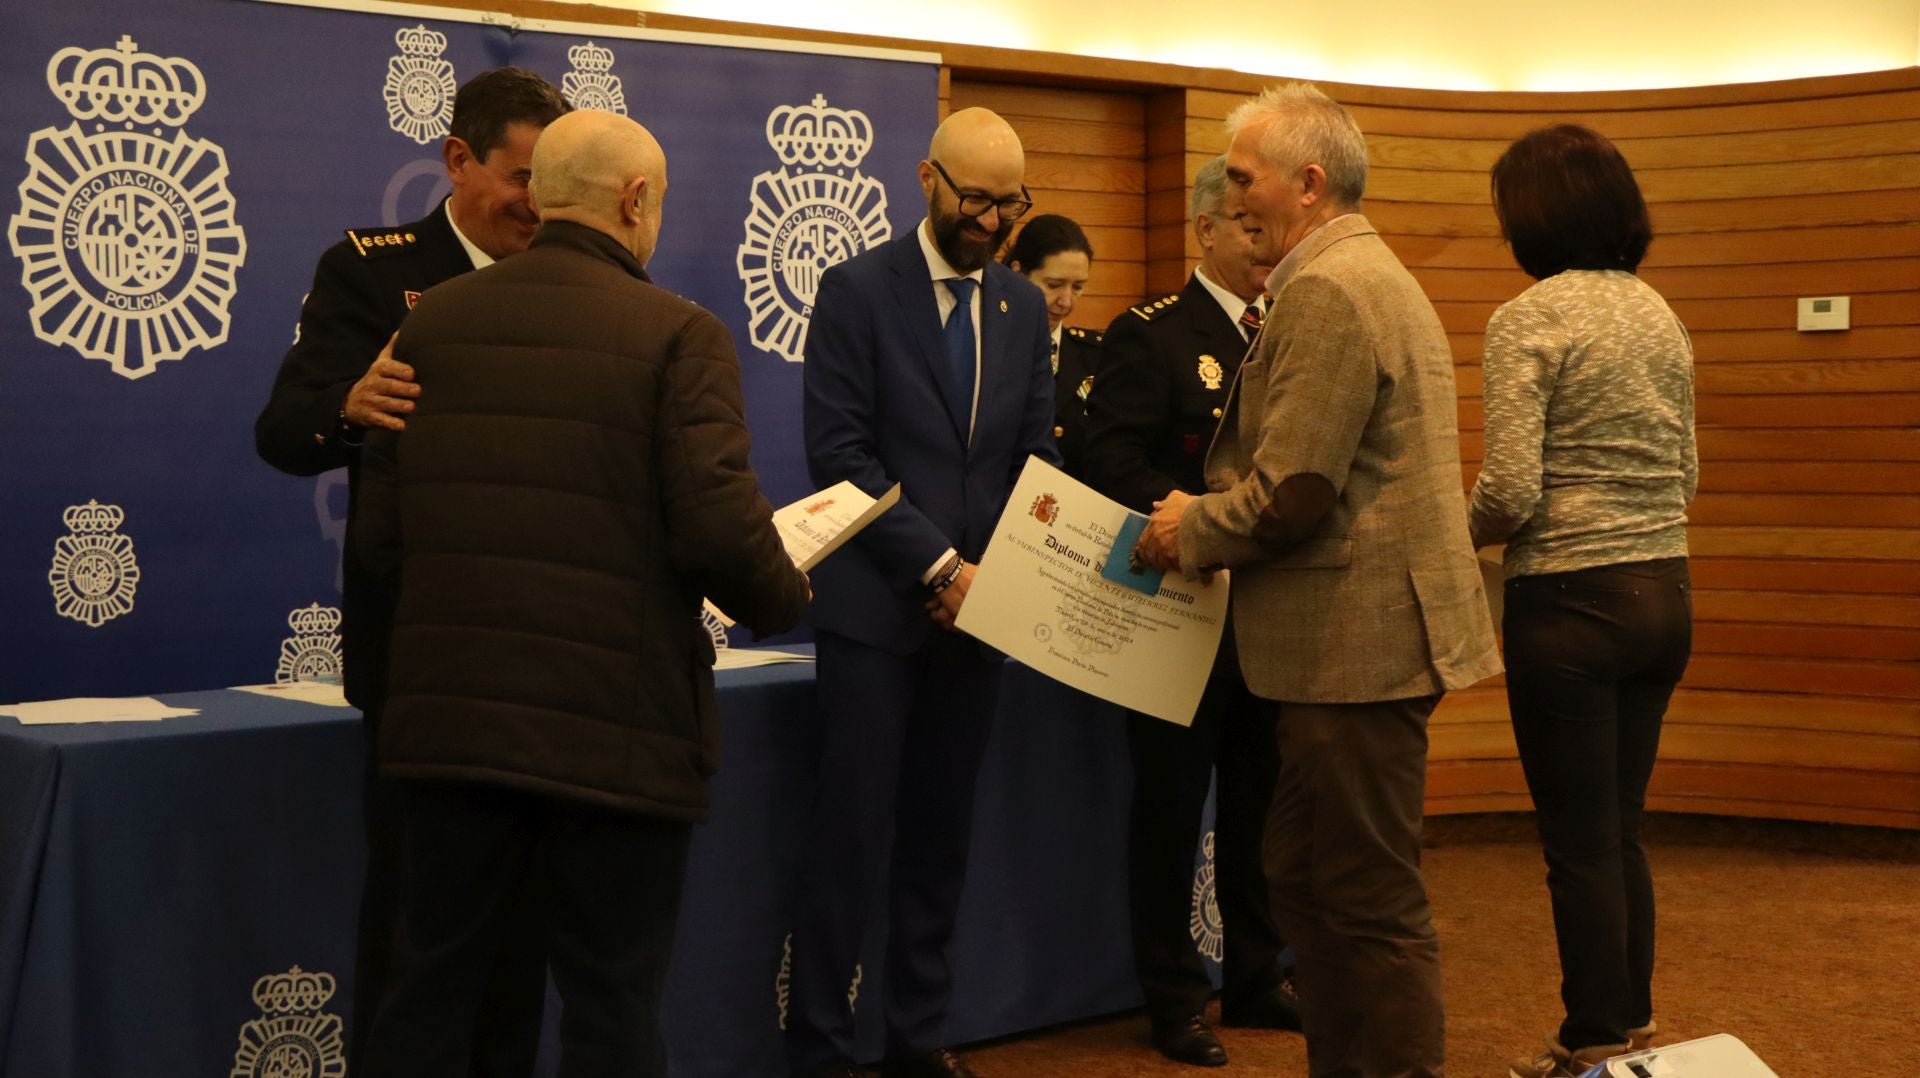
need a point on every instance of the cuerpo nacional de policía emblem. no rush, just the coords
(816, 211)
(94, 573)
(592, 84)
(293, 1037)
(125, 234)
(1209, 933)
(312, 653)
(420, 85)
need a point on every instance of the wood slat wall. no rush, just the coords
(1803, 700)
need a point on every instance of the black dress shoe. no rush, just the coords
(1191, 1041)
(938, 1063)
(1276, 1008)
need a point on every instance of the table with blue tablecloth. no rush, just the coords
(177, 898)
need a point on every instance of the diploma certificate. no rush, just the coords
(1039, 596)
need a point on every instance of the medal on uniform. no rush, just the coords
(1211, 372)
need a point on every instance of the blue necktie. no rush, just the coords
(959, 334)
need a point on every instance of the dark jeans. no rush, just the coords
(1343, 858)
(1592, 659)
(605, 889)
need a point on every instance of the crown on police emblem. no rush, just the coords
(93, 518)
(313, 620)
(293, 991)
(420, 41)
(590, 58)
(817, 135)
(125, 84)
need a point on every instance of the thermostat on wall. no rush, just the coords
(1825, 312)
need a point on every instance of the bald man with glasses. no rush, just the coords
(927, 365)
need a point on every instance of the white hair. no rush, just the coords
(1209, 189)
(1300, 126)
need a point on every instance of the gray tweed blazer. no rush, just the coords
(1352, 380)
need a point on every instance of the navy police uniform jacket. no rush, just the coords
(1072, 381)
(363, 288)
(1165, 369)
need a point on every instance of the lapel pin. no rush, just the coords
(1003, 306)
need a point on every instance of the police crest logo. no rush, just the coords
(591, 84)
(126, 237)
(293, 1037)
(813, 213)
(1211, 372)
(715, 625)
(312, 653)
(94, 573)
(420, 86)
(1204, 921)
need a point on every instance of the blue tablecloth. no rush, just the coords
(160, 882)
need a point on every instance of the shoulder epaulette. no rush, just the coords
(374, 242)
(1158, 307)
(1091, 336)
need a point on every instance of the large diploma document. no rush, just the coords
(819, 524)
(1040, 597)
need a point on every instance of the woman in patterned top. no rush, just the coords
(1590, 465)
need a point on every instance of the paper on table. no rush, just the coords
(324, 693)
(742, 658)
(1040, 597)
(94, 709)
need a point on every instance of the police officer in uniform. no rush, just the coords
(1165, 369)
(337, 381)
(1052, 251)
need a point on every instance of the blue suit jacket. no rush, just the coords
(878, 411)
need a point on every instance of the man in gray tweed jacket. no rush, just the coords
(1337, 505)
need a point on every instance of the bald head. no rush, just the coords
(603, 171)
(975, 160)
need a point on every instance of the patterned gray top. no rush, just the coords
(1589, 396)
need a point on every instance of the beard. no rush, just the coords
(963, 243)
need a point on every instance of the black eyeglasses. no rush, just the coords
(1010, 209)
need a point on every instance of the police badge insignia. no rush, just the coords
(420, 87)
(126, 237)
(293, 1036)
(312, 653)
(94, 573)
(591, 84)
(1203, 922)
(815, 212)
(1211, 372)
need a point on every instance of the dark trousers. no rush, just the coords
(1172, 768)
(902, 740)
(1592, 657)
(507, 1037)
(1343, 854)
(606, 891)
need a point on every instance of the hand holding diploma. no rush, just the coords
(1159, 545)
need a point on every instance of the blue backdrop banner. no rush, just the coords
(175, 168)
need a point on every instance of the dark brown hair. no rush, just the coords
(1567, 199)
(1043, 237)
(492, 100)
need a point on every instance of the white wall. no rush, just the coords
(1485, 45)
